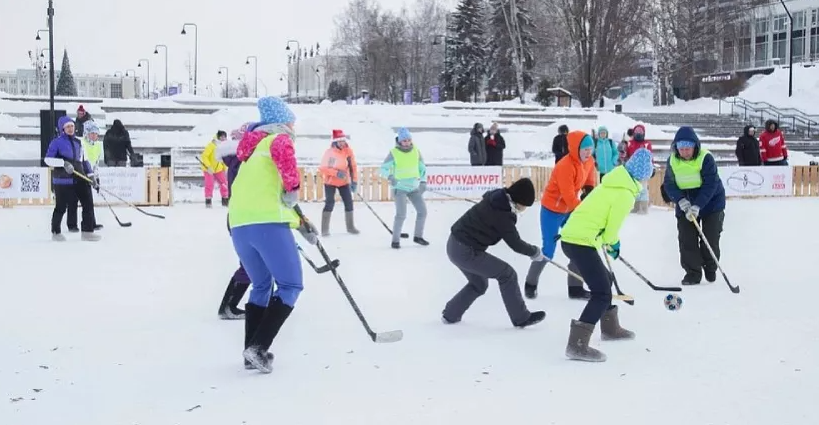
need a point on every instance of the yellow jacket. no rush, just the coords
(209, 159)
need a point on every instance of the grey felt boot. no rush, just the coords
(325, 223)
(610, 328)
(578, 345)
(349, 220)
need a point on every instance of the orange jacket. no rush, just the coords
(336, 163)
(568, 177)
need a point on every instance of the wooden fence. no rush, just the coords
(158, 191)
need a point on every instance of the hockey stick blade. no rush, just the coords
(325, 268)
(625, 298)
(387, 337)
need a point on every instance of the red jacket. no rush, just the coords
(772, 146)
(633, 145)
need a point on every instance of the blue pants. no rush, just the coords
(550, 224)
(268, 251)
(587, 262)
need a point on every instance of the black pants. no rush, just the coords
(694, 255)
(782, 162)
(71, 213)
(588, 264)
(67, 195)
(330, 197)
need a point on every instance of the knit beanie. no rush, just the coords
(522, 192)
(586, 143)
(273, 110)
(641, 165)
(403, 134)
(91, 127)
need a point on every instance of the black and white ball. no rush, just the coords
(673, 302)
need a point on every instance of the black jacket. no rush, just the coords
(117, 146)
(489, 221)
(494, 154)
(560, 147)
(79, 128)
(748, 149)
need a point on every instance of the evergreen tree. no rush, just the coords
(501, 67)
(66, 85)
(466, 50)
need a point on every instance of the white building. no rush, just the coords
(309, 78)
(28, 82)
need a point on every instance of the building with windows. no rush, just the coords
(34, 82)
(309, 78)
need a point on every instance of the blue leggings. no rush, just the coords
(268, 251)
(550, 224)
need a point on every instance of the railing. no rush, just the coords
(788, 118)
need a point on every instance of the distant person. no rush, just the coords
(406, 171)
(477, 146)
(82, 118)
(606, 155)
(772, 145)
(214, 171)
(92, 151)
(560, 144)
(639, 142)
(622, 148)
(116, 145)
(495, 144)
(340, 173)
(748, 154)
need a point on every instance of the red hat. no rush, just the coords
(81, 109)
(339, 136)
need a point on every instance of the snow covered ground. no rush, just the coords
(125, 331)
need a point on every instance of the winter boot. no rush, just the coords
(257, 351)
(348, 219)
(98, 227)
(644, 207)
(535, 317)
(396, 245)
(420, 241)
(610, 328)
(90, 237)
(578, 345)
(73, 230)
(225, 201)
(530, 291)
(578, 293)
(710, 275)
(208, 203)
(253, 318)
(690, 279)
(325, 223)
(229, 307)
(58, 237)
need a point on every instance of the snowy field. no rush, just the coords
(124, 332)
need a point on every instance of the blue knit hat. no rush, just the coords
(686, 137)
(91, 127)
(641, 165)
(587, 142)
(403, 134)
(65, 119)
(273, 110)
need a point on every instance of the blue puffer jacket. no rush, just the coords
(605, 152)
(710, 197)
(68, 148)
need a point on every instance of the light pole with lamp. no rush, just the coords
(38, 34)
(298, 60)
(436, 42)
(156, 52)
(195, 54)
(227, 80)
(282, 77)
(318, 75)
(132, 74)
(790, 48)
(51, 82)
(139, 65)
(255, 74)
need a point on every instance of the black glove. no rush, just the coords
(97, 184)
(586, 190)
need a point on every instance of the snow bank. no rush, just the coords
(773, 89)
(9, 124)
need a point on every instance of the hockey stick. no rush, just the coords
(734, 289)
(378, 217)
(391, 336)
(620, 296)
(323, 269)
(614, 279)
(120, 222)
(648, 282)
(82, 176)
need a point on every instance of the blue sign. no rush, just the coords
(435, 94)
(408, 97)
(173, 91)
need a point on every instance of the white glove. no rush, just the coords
(684, 205)
(693, 213)
(68, 167)
(538, 256)
(308, 232)
(290, 198)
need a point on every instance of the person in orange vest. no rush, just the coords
(340, 173)
(574, 173)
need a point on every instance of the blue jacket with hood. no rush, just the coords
(710, 196)
(68, 148)
(605, 152)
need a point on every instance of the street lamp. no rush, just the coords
(42, 52)
(790, 48)
(51, 82)
(318, 75)
(132, 74)
(227, 80)
(195, 54)
(38, 34)
(298, 60)
(255, 74)
(156, 52)
(436, 42)
(139, 65)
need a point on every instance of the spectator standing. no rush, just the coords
(116, 145)
(495, 144)
(748, 154)
(477, 147)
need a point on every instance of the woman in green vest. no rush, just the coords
(261, 215)
(92, 151)
(692, 182)
(405, 169)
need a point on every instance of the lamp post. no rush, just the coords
(38, 34)
(318, 75)
(255, 74)
(156, 52)
(227, 80)
(139, 65)
(298, 60)
(790, 48)
(51, 83)
(42, 52)
(436, 42)
(195, 54)
(282, 77)
(132, 73)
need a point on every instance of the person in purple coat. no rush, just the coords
(68, 187)
(238, 284)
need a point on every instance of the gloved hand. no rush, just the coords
(290, 198)
(422, 187)
(613, 250)
(585, 192)
(308, 232)
(95, 182)
(392, 181)
(684, 205)
(353, 187)
(68, 167)
(693, 213)
(341, 174)
(538, 256)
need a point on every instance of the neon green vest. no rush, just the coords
(406, 163)
(688, 174)
(92, 152)
(257, 191)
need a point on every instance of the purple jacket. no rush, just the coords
(68, 148)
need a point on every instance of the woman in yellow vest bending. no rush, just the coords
(261, 217)
(405, 169)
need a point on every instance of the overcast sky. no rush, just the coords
(106, 36)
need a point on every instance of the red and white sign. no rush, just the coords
(757, 181)
(462, 181)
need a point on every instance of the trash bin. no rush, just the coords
(618, 108)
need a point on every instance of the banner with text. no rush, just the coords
(757, 181)
(462, 181)
(23, 183)
(127, 183)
